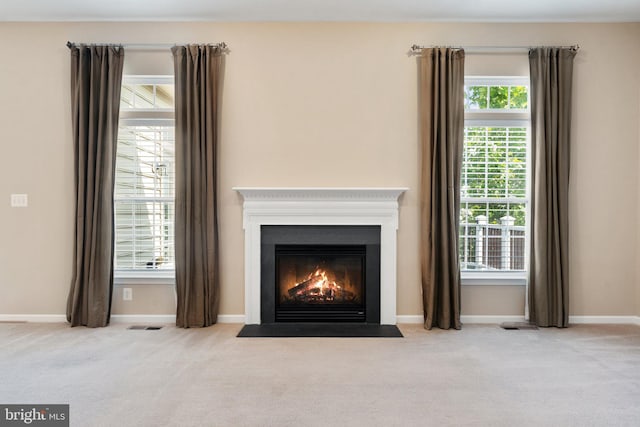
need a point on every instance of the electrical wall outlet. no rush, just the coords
(127, 294)
(19, 201)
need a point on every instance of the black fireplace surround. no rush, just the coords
(320, 274)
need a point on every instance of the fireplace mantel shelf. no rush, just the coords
(320, 193)
(320, 206)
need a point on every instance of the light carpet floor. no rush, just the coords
(479, 376)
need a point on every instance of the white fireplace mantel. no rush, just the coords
(320, 206)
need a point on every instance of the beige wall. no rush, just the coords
(320, 105)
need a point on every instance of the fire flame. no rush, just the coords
(321, 282)
(319, 286)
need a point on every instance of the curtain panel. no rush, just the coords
(198, 84)
(551, 71)
(96, 78)
(441, 97)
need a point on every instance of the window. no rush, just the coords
(494, 183)
(144, 181)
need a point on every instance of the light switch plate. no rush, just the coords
(19, 201)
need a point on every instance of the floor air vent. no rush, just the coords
(145, 328)
(517, 325)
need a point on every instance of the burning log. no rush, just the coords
(344, 295)
(318, 288)
(305, 286)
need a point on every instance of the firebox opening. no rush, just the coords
(320, 274)
(320, 282)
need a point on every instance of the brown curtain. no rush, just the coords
(551, 72)
(442, 126)
(198, 79)
(96, 77)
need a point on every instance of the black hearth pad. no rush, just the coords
(321, 330)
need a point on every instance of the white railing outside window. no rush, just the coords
(494, 198)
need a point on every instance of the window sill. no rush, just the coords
(491, 278)
(145, 277)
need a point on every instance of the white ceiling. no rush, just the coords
(323, 10)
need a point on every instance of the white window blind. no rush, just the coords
(494, 181)
(145, 176)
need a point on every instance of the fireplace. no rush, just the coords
(320, 273)
(264, 208)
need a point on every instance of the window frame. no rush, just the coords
(145, 116)
(500, 118)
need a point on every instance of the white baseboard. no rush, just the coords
(231, 318)
(142, 318)
(168, 318)
(35, 318)
(240, 318)
(468, 319)
(471, 319)
(115, 318)
(409, 319)
(599, 320)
